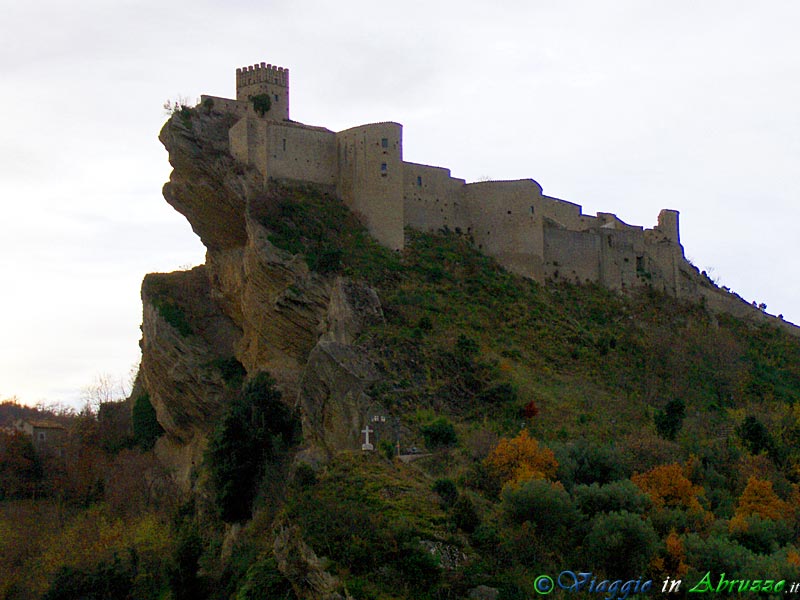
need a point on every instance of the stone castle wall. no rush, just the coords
(529, 233)
(265, 79)
(370, 178)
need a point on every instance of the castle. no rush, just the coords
(526, 231)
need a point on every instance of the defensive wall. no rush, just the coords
(529, 233)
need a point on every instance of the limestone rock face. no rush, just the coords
(301, 566)
(333, 395)
(183, 333)
(251, 302)
(207, 185)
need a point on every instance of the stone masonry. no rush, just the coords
(526, 231)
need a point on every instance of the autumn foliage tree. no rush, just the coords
(758, 502)
(518, 459)
(668, 487)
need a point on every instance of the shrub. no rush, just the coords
(173, 314)
(264, 581)
(669, 421)
(446, 490)
(464, 515)
(261, 103)
(612, 497)
(620, 543)
(755, 435)
(231, 370)
(105, 582)
(761, 535)
(584, 463)
(546, 505)
(503, 393)
(146, 428)
(439, 434)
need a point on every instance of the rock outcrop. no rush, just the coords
(251, 303)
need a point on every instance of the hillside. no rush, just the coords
(541, 428)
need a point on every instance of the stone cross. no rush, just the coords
(366, 445)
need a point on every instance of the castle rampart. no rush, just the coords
(370, 178)
(529, 233)
(269, 80)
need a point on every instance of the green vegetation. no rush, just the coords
(633, 435)
(256, 429)
(146, 428)
(173, 314)
(261, 103)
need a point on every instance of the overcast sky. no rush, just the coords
(620, 106)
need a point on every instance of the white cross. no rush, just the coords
(366, 445)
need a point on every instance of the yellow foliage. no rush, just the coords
(668, 487)
(672, 562)
(793, 558)
(518, 459)
(758, 498)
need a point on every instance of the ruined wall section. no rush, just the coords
(503, 220)
(370, 178)
(564, 214)
(265, 79)
(430, 197)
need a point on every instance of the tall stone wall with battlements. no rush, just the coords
(270, 80)
(531, 234)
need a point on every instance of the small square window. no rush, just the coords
(419, 180)
(384, 167)
(384, 142)
(276, 97)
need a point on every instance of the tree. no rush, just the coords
(440, 433)
(545, 505)
(146, 428)
(521, 458)
(755, 435)
(20, 467)
(670, 420)
(255, 429)
(758, 498)
(668, 487)
(620, 543)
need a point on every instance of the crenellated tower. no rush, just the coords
(265, 79)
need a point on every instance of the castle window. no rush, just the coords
(284, 144)
(384, 167)
(531, 209)
(276, 97)
(384, 142)
(419, 180)
(508, 212)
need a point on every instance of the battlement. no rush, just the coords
(262, 73)
(265, 79)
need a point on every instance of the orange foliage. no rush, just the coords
(668, 487)
(520, 459)
(758, 498)
(673, 562)
(793, 558)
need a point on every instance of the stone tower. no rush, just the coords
(265, 79)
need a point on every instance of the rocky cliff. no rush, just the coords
(251, 304)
